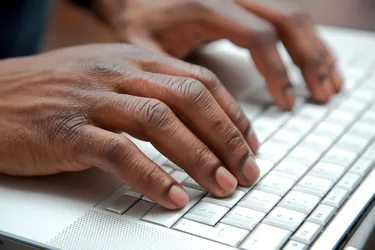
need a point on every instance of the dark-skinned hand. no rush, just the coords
(65, 110)
(179, 27)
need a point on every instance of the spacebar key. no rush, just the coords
(164, 217)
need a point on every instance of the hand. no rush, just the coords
(64, 110)
(179, 27)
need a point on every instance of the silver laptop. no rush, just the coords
(316, 188)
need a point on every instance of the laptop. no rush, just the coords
(315, 192)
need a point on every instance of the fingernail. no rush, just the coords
(252, 140)
(178, 196)
(290, 98)
(337, 81)
(250, 170)
(326, 83)
(226, 181)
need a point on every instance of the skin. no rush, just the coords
(64, 111)
(179, 27)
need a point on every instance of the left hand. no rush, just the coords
(178, 27)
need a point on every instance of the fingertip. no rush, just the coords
(290, 98)
(337, 81)
(226, 181)
(250, 172)
(178, 196)
(323, 89)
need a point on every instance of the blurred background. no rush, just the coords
(71, 25)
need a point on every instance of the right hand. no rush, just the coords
(63, 111)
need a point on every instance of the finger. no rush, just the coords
(171, 66)
(267, 60)
(167, 133)
(334, 75)
(190, 98)
(116, 153)
(297, 33)
(228, 20)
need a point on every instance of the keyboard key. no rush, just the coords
(260, 201)
(167, 169)
(341, 117)
(353, 106)
(260, 238)
(362, 166)
(121, 204)
(179, 176)
(167, 218)
(369, 154)
(339, 157)
(242, 217)
(290, 169)
(300, 202)
(286, 137)
(251, 110)
(328, 171)
(275, 116)
(336, 197)
(322, 214)
(317, 142)
(313, 112)
(221, 233)
(170, 164)
(294, 245)
(263, 130)
(352, 143)
(275, 184)
(134, 193)
(313, 185)
(307, 233)
(369, 117)
(228, 201)
(299, 126)
(305, 156)
(329, 129)
(145, 198)
(363, 129)
(264, 166)
(285, 218)
(206, 213)
(190, 182)
(349, 182)
(139, 209)
(272, 150)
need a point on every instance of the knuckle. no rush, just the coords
(65, 126)
(298, 18)
(234, 140)
(312, 60)
(193, 91)
(149, 176)
(106, 72)
(153, 113)
(263, 37)
(210, 80)
(198, 6)
(118, 152)
(200, 154)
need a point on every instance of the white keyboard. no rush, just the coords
(311, 160)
